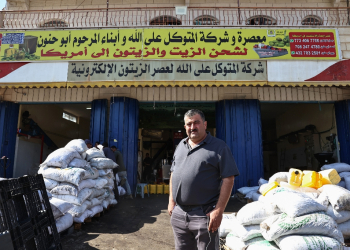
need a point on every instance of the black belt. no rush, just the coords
(189, 208)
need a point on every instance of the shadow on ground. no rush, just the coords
(131, 224)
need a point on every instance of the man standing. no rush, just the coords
(121, 171)
(88, 143)
(201, 182)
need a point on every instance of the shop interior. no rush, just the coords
(161, 128)
(45, 127)
(298, 135)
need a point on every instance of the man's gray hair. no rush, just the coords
(193, 112)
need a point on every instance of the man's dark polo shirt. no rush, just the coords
(197, 173)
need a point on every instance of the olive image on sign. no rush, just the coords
(26, 49)
(274, 49)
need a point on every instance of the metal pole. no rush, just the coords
(5, 165)
(239, 13)
(107, 13)
(42, 149)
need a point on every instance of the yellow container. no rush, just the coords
(312, 180)
(145, 190)
(152, 189)
(269, 187)
(160, 189)
(166, 189)
(295, 177)
(330, 176)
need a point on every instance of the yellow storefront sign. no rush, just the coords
(178, 44)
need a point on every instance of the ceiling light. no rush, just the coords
(179, 131)
(88, 108)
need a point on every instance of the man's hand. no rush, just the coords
(171, 206)
(215, 220)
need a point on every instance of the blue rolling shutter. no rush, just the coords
(123, 133)
(8, 130)
(342, 115)
(238, 123)
(98, 122)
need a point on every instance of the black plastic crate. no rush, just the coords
(25, 212)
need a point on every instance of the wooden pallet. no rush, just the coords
(98, 215)
(87, 220)
(77, 226)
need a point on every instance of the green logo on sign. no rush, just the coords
(293, 52)
(291, 40)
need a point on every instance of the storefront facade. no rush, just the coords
(236, 69)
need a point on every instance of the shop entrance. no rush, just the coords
(161, 128)
(298, 135)
(45, 127)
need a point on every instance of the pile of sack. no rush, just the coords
(81, 182)
(291, 218)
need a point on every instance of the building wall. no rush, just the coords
(66, 4)
(150, 94)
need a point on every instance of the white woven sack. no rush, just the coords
(103, 163)
(262, 181)
(296, 204)
(82, 217)
(311, 192)
(110, 181)
(339, 197)
(225, 226)
(65, 188)
(50, 184)
(49, 195)
(77, 211)
(262, 188)
(88, 183)
(90, 173)
(94, 153)
(102, 172)
(59, 207)
(105, 203)
(340, 167)
(60, 158)
(342, 184)
(344, 228)
(117, 179)
(78, 145)
(315, 224)
(100, 182)
(83, 156)
(246, 190)
(110, 188)
(64, 222)
(96, 193)
(112, 201)
(253, 213)
(308, 242)
(323, 199)
(244, 232)
(344, 174)
(78, 163)
(121, 190)
(280, 176)
(338, 216)
(347, 182)
(96, 209)
(94, 202)
(259, 243)
(111, 195)
(71, 175)
(105, 195)
(76, 200)
(255, 196)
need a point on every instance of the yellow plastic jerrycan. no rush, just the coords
(269, 187)
(330, 176)
(312, 180)
(296, 177)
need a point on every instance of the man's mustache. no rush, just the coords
(194, 130)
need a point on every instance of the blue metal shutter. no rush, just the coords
(238, 123)
(8, 130)
(342, 115)
(123, 133)
(98, 122)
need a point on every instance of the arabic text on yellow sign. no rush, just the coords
(194, 44)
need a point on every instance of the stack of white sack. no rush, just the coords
(343, 170)
(70, 178)
(287, 220)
